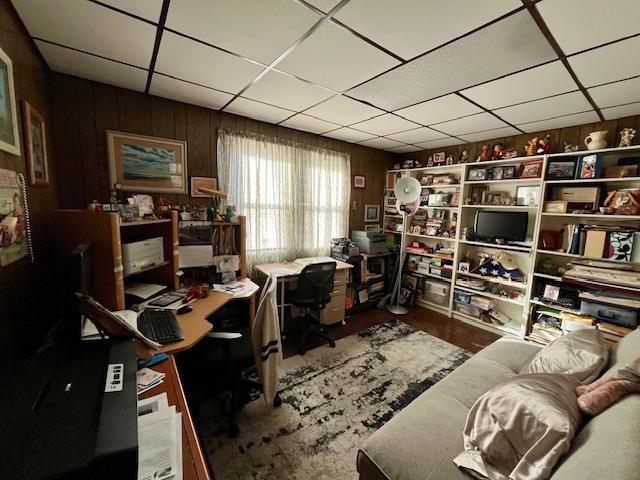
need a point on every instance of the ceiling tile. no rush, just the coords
(507, 46)
(385, 125)
(404, 149)
(82, 65)
(89, 27)
(287, 92)
(417, 135)
(616, 93)
(258, 110)
(443, 142)
(411, 27)
(444, 108)
(149, 9)
(324, 5)
(198, 63)
(381, 142)
(546, 108)
(335, 58)
(253, 28)
(167, 87)
(343, 110)
(309, 124)
(473, 123)
(621, 111)
(567, 20)
(489, 134)
(560, 122)
(543, 81)
(606, 64)
(349, 135)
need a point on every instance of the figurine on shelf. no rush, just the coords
(397, 166)
(464, 157)
(531, 147)
(430, 161)
(568, 148)
(496, 154)
(626, 136)
(449, 160)
(510, 153)
(485, 155)
(544, 145)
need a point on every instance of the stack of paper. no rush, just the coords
(159, 440)
(147, 379)
(90, 332)
(241, 289)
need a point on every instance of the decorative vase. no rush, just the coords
(596, 140)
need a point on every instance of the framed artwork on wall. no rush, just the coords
(359, 181)
(371, 213)
(204, 183)
(35, 142)
(147, 164)
(9, 138)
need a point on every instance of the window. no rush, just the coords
(295, 196)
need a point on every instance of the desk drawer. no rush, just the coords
(334, 311)
(339, 290)
(340, 277)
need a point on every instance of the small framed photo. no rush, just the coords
(527, 196)
(477, 193)
(555, 206)
(438, 199)
(561, 169)
(509, 172)
(35, 140)
(371, 213)
(477, 173)
(359, 181)
(201, 185)
(390, 202)
(464, 267)
(439, 159)
(497, 173)
(363, 295)
(531, 169)
(590, 166)
(551, 292)
(406, 296)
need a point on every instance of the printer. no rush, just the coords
(72, 414)
(370, 241)
(137, 256)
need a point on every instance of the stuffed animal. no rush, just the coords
(622, 202)
(497, 152)
(626, 136)
(544, 145)
(531, 147)
(485, 155)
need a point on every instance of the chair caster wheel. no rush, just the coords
(234, 431)
(332, 344)
(277, 401)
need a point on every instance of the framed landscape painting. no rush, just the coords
(9, 139)
(35, 140)
(147, 164)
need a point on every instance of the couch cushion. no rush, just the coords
(421, 440)
(625, 352)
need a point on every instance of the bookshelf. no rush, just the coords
(522, 299)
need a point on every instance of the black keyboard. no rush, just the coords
(160, 326)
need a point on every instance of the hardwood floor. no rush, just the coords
(453, 331)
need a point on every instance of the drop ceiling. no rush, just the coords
(399, 76)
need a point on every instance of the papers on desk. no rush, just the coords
(90, 332)
(159, 440)
(147, 379)
(242, 289)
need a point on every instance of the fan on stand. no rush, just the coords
(407, 191)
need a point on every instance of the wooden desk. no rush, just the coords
(194, 465)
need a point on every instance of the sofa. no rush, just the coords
(420, 442)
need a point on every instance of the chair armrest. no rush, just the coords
(224, 335)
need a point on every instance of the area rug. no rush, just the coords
(334, 398)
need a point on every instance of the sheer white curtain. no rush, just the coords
(295, 196)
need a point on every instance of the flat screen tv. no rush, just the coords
(509, 226)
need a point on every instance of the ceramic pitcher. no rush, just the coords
(596, 140)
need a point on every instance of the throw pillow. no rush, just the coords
(521, 428)
(583, 354)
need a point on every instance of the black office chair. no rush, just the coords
(315, 284)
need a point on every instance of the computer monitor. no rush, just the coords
(509, 226)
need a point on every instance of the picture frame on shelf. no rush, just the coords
(359, 181)
(477, 174)
(439, 159)
(497, 173)
(464, 267)
(531, 169)
(9, 136)
(561, 169)
(371, 213)
(590, 166)
(35, 139)
(477, 193)
(205, 183)
(363, 295)
(406, 296)
(509, 172)
(390, 202)
(555, 206)
(147, 164)
(438, 199)
(527, 196)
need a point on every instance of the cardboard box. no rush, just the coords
(596, 244)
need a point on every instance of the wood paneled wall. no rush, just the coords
(83, 110)
(25, 288)
(573, 135)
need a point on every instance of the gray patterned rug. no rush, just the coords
(333, 400)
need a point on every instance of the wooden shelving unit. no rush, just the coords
(527, 256)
